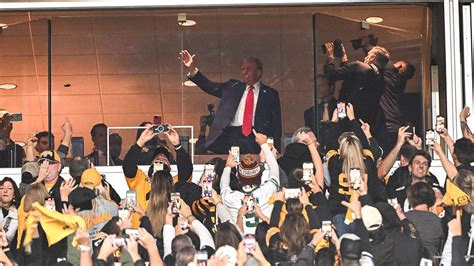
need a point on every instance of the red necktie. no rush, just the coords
(248, 113)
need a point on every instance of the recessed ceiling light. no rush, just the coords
(188, 23)
(3, 26)
(7, 86)
(189, 83)
(374, 20)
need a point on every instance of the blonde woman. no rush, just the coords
(352, 169)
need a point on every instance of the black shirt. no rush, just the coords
(394, 89)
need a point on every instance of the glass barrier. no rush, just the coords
(23, 89)
(384, 84)
(121, 69)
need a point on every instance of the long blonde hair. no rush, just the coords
(34, 193)
(161, 187)
(352, 153)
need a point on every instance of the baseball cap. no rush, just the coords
(81, 198)
(51, 156)
(371, 217)
(91, 178)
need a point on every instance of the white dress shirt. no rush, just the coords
(239, 114)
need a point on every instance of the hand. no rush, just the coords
(355, 207)
(146, 135)
(258, 211)
(173, 137)
(307, 138)
(241, 253)
(365, 128)
(363, 190)
(317, 237)
(107, 248)
(350, 111)
(125, 223)
(435, 147)
(243, 209)
(259, 138)
(82, 237)
(178, 229)
(334, 118)
(67, 127)
(444, 133)
(258, 254)
(314, 187)
(280, 195)
(402, 136)
(455, 224)
(132, 248)
(146, 239)
(185, 210)
(106, 191)
(464, 114)
(416, 141)
(66, 188)
(69, 209)
(188, 60)
(32, 141)
(304, 197)
(138, 209)
(215, 198)
(344, 54)
(3, 238)
(44, 171)
(330, 50)
(230, 161)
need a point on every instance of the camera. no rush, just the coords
(337, 48)
(365, 42)
(163, 128)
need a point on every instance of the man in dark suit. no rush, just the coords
(326, 106)
(244, 105)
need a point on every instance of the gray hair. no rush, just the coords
(295, 136)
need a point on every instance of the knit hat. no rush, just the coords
(51, 156)
(351, 246)
(91, 178)
(249, 171)
(371, 217)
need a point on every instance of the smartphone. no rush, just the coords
(439, 124)
(235, 151)
(411, 130)
(249, 243)
(291, 193)
(201, 258)
(50, 204)
(327, 228)
(175, 202)
(341, 110)
(249, 201)
(77, 144)
(270, 142)
(120, 242)
(307, 172)
(430, 137)
(130, 199)
(132, 232)
(123, 213)
(158, 165)
(157, 120)
(16, 117)
(354, 178)
(393, 202)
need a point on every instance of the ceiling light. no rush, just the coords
(189, 83)
(374, 20)
(3, 26)
(188, 23)
(7, 86)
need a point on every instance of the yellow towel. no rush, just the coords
(349, 214)
(455, 196)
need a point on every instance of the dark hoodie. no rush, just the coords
(295, 155)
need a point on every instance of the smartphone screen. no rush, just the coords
(341, 110)
(175, 197)
(131, 199)
(249, 243)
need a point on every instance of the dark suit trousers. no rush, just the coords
(232, 136)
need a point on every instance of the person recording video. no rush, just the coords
(362, 83)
